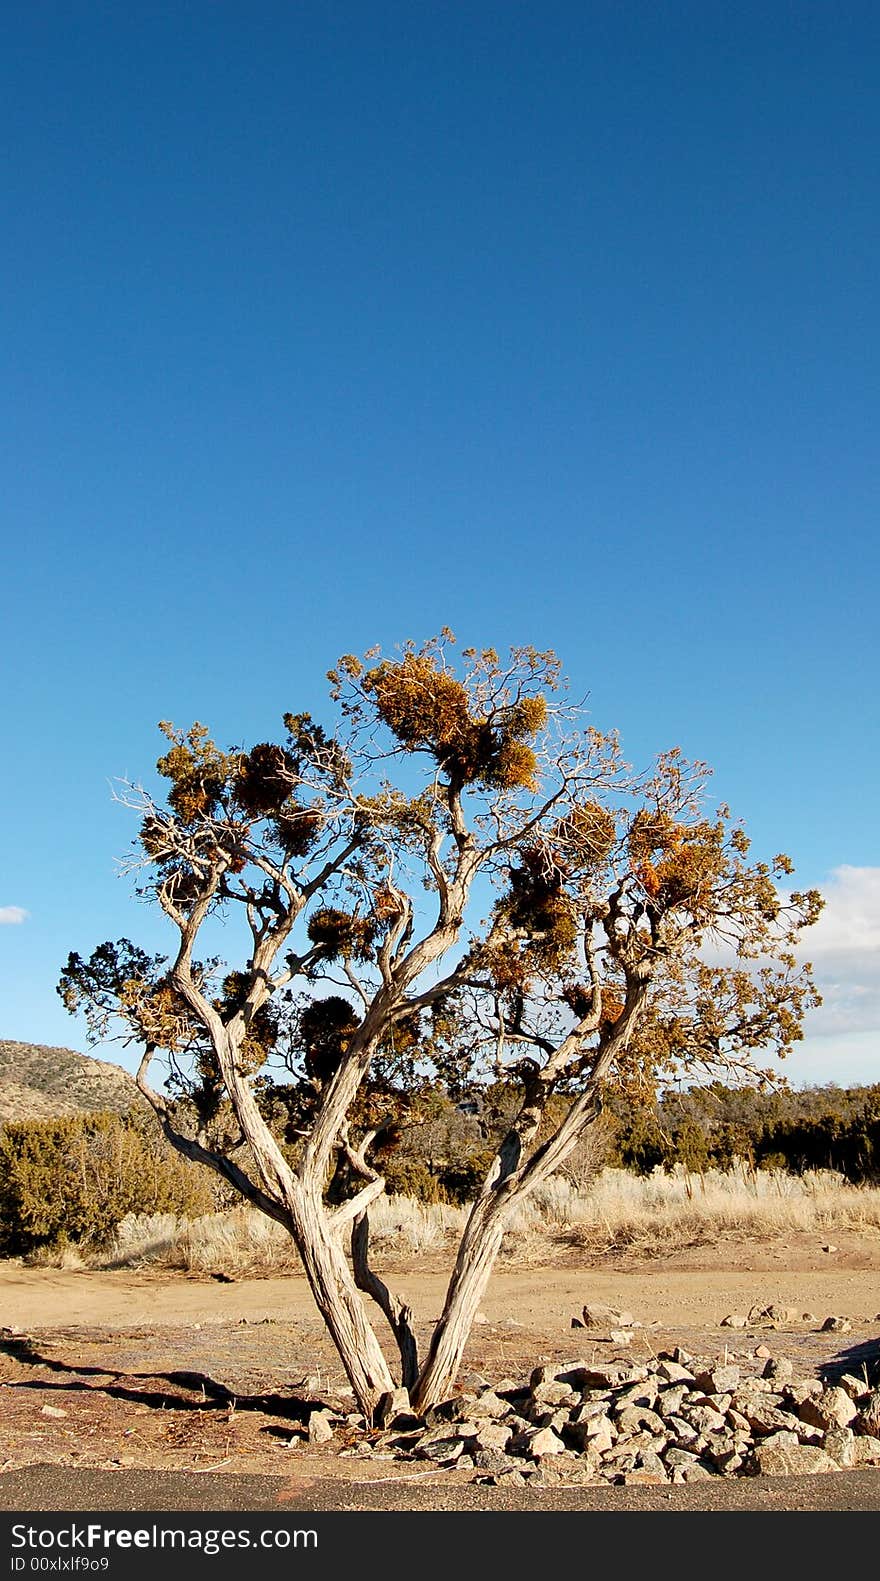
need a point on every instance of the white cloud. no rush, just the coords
(844, 947)
(10, 916)
(841, 1041)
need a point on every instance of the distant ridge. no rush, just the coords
(41, 1083)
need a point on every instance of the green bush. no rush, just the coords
(715, 1127)
(74, 1179)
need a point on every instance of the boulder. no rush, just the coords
(868, 1418)
(544, 1441)
(791, 1460)
(672, 1372)
(866, 1450)
(718, 1380)
(489, 1404)
(839, 1443)
(554, 1393)
(832, 1408)
(320, 1430)
(599, 1316)
(779, 1368)
(443, 1450)
(491, 1435)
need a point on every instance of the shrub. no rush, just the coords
(74, 1179)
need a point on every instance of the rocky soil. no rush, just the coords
(677, 1418)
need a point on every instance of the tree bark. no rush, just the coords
(339, 1303)
(398, 1314)
(479, 1248)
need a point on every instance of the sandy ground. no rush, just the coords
(109, 1370)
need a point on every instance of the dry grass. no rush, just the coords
(621, 1211)
(242, 1241)
(645, 1214)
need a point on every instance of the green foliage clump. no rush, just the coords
(715, 1127)
(74, 1179)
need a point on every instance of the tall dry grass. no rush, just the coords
(661, 1210)
(622, 1211)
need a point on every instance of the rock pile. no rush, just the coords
(673, 1419)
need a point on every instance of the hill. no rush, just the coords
(40, 1083)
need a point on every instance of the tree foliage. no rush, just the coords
(464, 883)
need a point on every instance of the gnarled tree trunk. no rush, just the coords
(479, 1248)
(339, 1302)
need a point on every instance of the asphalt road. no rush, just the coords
(48, 1487)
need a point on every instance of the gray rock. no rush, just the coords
(442, 1450)
(455, 1410)
(718, 1380)
(836, 1325)
(839, 1443)
(493, 1460)
(669, 1401)
(553, 1393)
(735, 1320)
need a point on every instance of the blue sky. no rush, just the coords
(329, 324)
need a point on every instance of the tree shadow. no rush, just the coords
(862, 1360)
(206, 1393)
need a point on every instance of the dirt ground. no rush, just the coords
(107, 1370)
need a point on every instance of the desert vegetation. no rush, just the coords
(695, 1163)
(70, 1181)
(645, 1215)
(463, 883)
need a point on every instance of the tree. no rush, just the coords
(359, 864)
